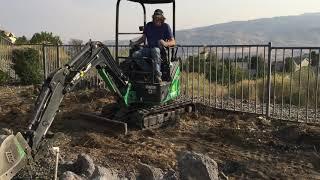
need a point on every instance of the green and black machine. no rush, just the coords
(141, 102)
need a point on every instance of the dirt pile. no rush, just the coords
(243, 146)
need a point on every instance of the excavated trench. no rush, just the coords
(244, 146)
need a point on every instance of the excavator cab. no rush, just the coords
(170, 53)
(144, 84)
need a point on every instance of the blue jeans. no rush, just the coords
(154, 54)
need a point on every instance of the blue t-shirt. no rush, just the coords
(156, 33)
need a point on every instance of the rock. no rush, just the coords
(131, 176)
(170, 175)
(102, 173)
(222, 176)
(6, 131)
(147, 172)
(84, 165)
(66, 165)
(70, 176)
(264, 121)
(197, 166)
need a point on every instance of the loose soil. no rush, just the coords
(244, 146)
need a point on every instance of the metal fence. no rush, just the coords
(5, 57)
(279, 82)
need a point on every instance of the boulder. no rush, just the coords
(197, 166)
(131, 176)
(170, 175)
(6, 131)
(84, 165)
(147, 172)
(102, 173)
(70, 176)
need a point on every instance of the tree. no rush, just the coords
(314, 59)
(220, 69)
(45, 37)
(258, 64)
(289, 64)
(75, 42)
(3, 77)
(27, 65)
(22, 40)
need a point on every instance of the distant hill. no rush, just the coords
(302, 30)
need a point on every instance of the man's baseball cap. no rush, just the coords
(159, 13)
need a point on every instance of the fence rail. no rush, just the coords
(279, 82)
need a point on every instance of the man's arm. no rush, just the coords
(169, 43)
(169, 39)
(139, 41)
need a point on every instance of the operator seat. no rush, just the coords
(169, 65)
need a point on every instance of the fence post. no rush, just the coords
(58, 57)
(44, 61)
(269, 79)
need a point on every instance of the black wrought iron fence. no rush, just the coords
(279, 82)
(294, 83)
(227, 76)
(5, 58)
(56, 56)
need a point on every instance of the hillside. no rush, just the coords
(286, 30)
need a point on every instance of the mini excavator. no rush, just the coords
(142, 101)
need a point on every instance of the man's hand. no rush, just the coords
(132, 44)
(163, 43)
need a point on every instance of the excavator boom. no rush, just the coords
(16, 150)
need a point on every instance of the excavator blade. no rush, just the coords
(14, 155)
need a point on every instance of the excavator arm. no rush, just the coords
(15, 150)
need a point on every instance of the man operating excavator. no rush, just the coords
(159, 36)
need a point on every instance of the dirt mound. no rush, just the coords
(244, 146)
(300, 134)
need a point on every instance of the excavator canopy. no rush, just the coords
(153, 1)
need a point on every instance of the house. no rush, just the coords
(8, 36)
(204, 54)
(304, 63)
(297, 63)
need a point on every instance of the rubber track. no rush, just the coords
(157, 116)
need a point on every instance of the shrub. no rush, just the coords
(246, 89)
(3, 77)
(220, 70)
(257, 89)
(204, 86)
(302, 76)
(27, 65)
(280, 89)
(277, 90)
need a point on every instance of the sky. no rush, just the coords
(95, 19)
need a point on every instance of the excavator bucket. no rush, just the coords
(14, 154)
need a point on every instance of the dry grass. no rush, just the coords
(284, 89)
(248, 89)
(199, 86)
